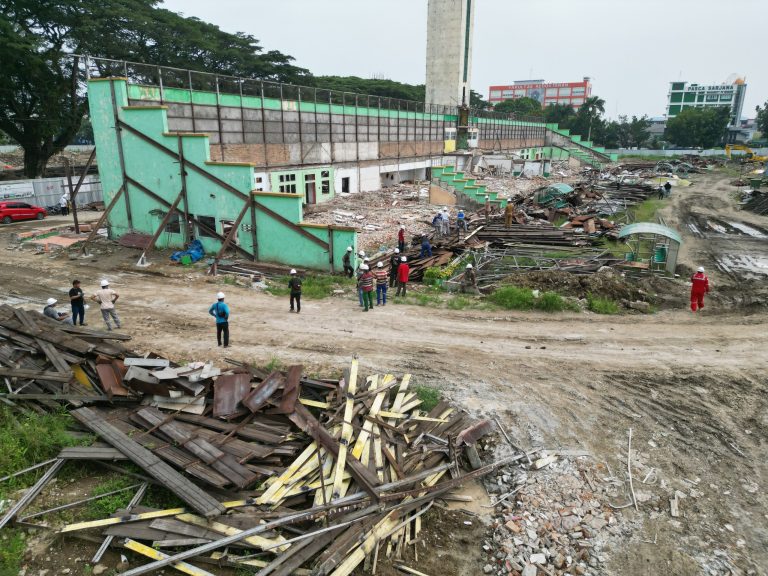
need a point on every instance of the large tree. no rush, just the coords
(698, 127)
(522, 106)
(762, 119)
(560, 114)
(42, 95)
(372, 87)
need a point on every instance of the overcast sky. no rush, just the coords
(632, 49)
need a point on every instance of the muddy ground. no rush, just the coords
(692, 387)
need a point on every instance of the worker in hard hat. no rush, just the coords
(394, 262)
(106, 297)
(365, 285)
(509, 214)
(294, 284)
(381, 276)
(401, 238)
(349, 271)
(469, 280)
(51, 312)
(220, 311)
(77, 302)
(699, 287)
(426, 247)
(403, 271)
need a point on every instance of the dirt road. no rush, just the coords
(693, 388)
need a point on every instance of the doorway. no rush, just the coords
(309, 192)
(345, 184)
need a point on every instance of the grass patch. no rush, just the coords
(429, 397)
(103, 507)
(551, 302)
(513, 298)
(12, 551)
(312, 287)
(646, 210)
(459, 303)
(274, 364)
(602, 305)
(28, 439)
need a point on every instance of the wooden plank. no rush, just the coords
(91, 453)
(156, 555)
(346, 432)
(259, 542)
(147, 362)
(35, 374)
(291, 390)
(57, 337)
(197, 498)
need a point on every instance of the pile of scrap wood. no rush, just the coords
(591, 224)
(277, 471)
(498, 235)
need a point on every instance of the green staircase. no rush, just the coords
(584, 151)
(457, 182)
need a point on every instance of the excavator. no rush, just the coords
(750, 154)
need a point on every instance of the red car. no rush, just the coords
(10, 211)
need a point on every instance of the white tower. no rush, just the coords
(450, 26)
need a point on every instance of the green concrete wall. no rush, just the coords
(159, 172)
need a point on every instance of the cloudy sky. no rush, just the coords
(632, 49)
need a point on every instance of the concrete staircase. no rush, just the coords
(585, 152)
(467, 191)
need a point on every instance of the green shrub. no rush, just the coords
(432, 275)
(429, 397)
(513, 298)
(602, 305)
(27, 439)
(104, 507)
(550, 302)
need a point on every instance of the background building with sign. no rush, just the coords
(684, 95)
(570, 93)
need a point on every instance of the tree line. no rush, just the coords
(43, 102)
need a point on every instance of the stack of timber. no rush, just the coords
(498, 235)
(278, 472)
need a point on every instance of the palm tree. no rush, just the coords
(593, 107)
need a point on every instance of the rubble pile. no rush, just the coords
(554, 518)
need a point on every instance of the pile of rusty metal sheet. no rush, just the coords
(46, 362)
(279, 472)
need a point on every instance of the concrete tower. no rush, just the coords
(450, 26)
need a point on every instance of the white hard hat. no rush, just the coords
(361, 253)
(364, 267)
(220, 296)
(349, 248)
(104, 283)
(366, 259)
(424, 234)
(700, 269)
(469, 265)
(403, 259)
(397, 250)
(402, 226)
(51, 301)
(293, 271)
(380, 265)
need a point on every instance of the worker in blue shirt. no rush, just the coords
(220, 311)
(461, 221)
(426, 247)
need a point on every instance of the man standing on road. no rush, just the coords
(381, 284)
(661, 191)
(77, 301)
(394, 262)
(51, 312)
(667, 189)
(699, 287)
(220, 311)
(401, 238)
(403, 271)
(366, 287)
(295, 285)
(107, 297)
(347, 261)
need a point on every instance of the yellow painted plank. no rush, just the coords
(257, 541)
(156, 555)
(346, 431)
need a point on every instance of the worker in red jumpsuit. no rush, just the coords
(699, 287)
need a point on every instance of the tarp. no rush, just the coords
(194, 251)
